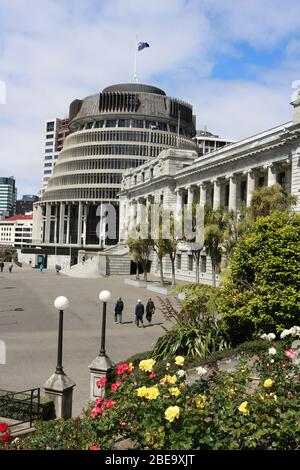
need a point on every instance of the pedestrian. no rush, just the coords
(139, 312)
(118, 310)
(10, 266)
(1, 265)
(41, 267)
(150, 308)
(30, 262)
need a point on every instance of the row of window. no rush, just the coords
(94, 178)
(135, 124)
(51, 157)
(98, 164)
(128, 136)
(203, 263)
(114, 149)
(84, 193)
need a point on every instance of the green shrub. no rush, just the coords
(263, 291)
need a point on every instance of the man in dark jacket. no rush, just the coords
(139, 312)
(118, 310)
(150, 307)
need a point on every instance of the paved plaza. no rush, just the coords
(30, 333)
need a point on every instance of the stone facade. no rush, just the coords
(226, 177)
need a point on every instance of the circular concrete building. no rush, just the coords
(120, 128)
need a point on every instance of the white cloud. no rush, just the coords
(52, 52)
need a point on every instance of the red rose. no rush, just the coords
(102, 382)
(3, 427)
(121, 368)
(95, 448)
(110, 403)
(115, 386)
(152, 375)
(5, 437)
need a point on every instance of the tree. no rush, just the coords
(262, 292)
(215, 226)
(140, 251)
(268, 199)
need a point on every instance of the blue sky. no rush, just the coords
(235, 61)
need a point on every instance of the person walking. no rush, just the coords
(118, 310)
(150, 308)
(139, 312)
(10, 267)
(1, 265)
(41, 267)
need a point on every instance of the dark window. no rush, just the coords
(111, 123)
(261, 181)
(48, 164)
(281, 178)
(47, 172)
(243, 191)
(50, 126)
(49, 143)
(48, 151)
(138, 123)
(48, 157)
(178, 261)
(190, 262)
(49, 136)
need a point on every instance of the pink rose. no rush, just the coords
(110, 403)
(95, 448)
(290, 353)
(102, 382)
(152, 375)
(115, 386)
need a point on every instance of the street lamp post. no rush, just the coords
(104, 297)
(101, 366)
(59, 387)
(61, 304)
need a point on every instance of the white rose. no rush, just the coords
(264, 336)
(272, 351)
(271, 336)
(285, 333)
(295, 330)
(201, 370)
(180, 373)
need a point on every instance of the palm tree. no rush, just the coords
(215, 226)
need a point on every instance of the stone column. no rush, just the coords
(79, 224)
(178, 200)
(217, 195)
(232, 193)
(250, 186)
(48, 223)
(190, 195)
(68, 241)
(271, 175)
(61, 223)
(85, 216)
(59, 389)
(202, 199)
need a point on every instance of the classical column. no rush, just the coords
(271, 175)
(217, 195)
(250, 186)
(178, 200)
(68, 241)
(202, 199)
(79, 224)
(61, 223)
(190, 195)
(232, 193)
(48, 223)
(85, 216)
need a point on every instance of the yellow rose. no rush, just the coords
(171, 379)
(147, 365)
(201, 401)
(179, 360)
(174, 391)
(181, 386)
(163, 380)
(171, 413)
(268, 383)
(152, 393)
(243, 408)
(142, 391)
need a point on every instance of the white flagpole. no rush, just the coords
(135, 80)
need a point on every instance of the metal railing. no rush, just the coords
(23, 406)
